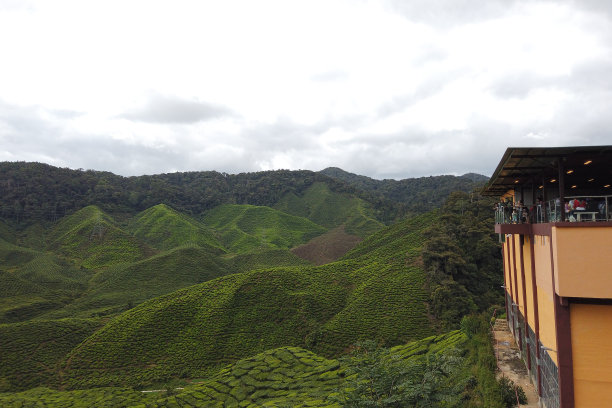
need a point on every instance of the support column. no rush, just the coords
(563, 337)
(525, 303)
(536, 316)
(562, 188)
(516, 296)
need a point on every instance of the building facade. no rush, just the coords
(555, 224)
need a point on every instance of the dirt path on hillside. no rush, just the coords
(510, 363)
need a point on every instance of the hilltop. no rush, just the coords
(40, 192)
(418, 194)
(36, 191)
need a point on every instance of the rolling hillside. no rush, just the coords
(32, 351)
(281, 377)
(204, 288)
(164, 228)
(420, 194)
(243, 228)
(92, 236)
(33, 282)
(330, 209)
(326, 309)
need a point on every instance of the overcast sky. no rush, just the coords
(387, 89)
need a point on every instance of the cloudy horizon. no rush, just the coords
(387, 89)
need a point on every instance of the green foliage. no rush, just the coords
(419, 195)
(330, 209)
(379, 378)
(287, 376)
(510, 391)
(281, 377)
(36, 191)
(204, 298)
(243, 228)
(263, 259)
(470, 325)
(191, 332)
(484, 389)
(462, 259)
(32, 283)
(98, 397)
(121, 287)
(164, 228)
(451, 301)
(6, 233)
(92, 236)
(31, 351)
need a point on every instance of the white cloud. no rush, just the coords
(386, 88)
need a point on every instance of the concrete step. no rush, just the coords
(501, 325)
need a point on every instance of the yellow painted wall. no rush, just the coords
(592, 354)
(542, 263)
(546, 309)
(583, 259)
(529, 302)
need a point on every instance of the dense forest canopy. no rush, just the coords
(418, 194)
(36, 191)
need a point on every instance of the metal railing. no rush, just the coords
(577, 209)
(581, 208)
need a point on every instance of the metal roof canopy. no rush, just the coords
(586, 168)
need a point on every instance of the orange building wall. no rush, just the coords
(542, 263)
(546, 310)
(530, 304)
(592, 354)
(583, 257)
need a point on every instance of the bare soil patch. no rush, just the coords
(328, 247)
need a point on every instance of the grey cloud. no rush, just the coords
(447, 13)
(166, 109)
(597, 6)
(433, 85)
(519, 85)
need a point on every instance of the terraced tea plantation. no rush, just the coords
(234, 305)
(282, 377)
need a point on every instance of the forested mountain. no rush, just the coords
(204, 283)
(36, 191)
(417, 194)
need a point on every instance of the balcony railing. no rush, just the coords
(577, 209)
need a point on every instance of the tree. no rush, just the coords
(378, 378)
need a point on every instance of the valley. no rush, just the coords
(244, 290)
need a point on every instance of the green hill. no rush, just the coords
(281, 377)
(263, 259)
(243, 228)
(419, 194)
(326, 309)
(6, 233)
(93, 237)
(330, 209)
(32, 282)
(123, 286)
(164, 228)
(31, 351)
